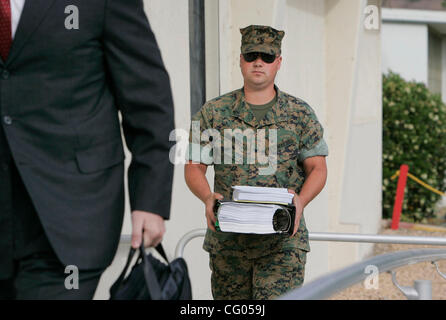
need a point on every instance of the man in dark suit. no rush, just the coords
(66, 68)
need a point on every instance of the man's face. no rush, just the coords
(258, 74)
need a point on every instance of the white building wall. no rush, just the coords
(405, 50)
(361, 198)
(353, 102)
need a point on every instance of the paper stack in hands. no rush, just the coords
(257, 210)
(262, 194)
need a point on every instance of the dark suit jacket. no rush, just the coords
(60, 92)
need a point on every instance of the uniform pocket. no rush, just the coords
(302, 256)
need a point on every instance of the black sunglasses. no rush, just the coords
(252, 56)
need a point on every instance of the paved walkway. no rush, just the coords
(404, 275)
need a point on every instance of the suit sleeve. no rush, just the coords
(142, 91)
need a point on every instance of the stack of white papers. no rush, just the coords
(262, 194)
(247, 217)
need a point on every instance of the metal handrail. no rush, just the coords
(179, 249)
(373, 238)
(332, 283)
(327, 236)
(327, 285)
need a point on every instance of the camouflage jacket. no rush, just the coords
(290, 130)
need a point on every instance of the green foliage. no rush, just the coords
(414, 133)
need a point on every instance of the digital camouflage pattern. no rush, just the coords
(261, 39)
(269, 277)
(299, 135)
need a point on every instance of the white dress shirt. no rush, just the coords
(16, 12)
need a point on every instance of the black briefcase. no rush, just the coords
(151, 279)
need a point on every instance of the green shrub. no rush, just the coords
(414, 133)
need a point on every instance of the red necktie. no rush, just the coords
(5, 28)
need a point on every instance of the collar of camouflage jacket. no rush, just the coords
(278, 112)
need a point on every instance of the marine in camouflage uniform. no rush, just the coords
(253, 266)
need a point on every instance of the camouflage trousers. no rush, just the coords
(235, 277)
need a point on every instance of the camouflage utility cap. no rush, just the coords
(261, 39)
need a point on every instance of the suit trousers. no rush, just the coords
(29, 267)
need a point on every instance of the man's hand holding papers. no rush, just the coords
(209, 204)
(299, 210)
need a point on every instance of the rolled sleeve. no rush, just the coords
(311, 142)
(321, 149)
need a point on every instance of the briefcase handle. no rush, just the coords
(160, 250)
(149, 274)
(152, 284)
